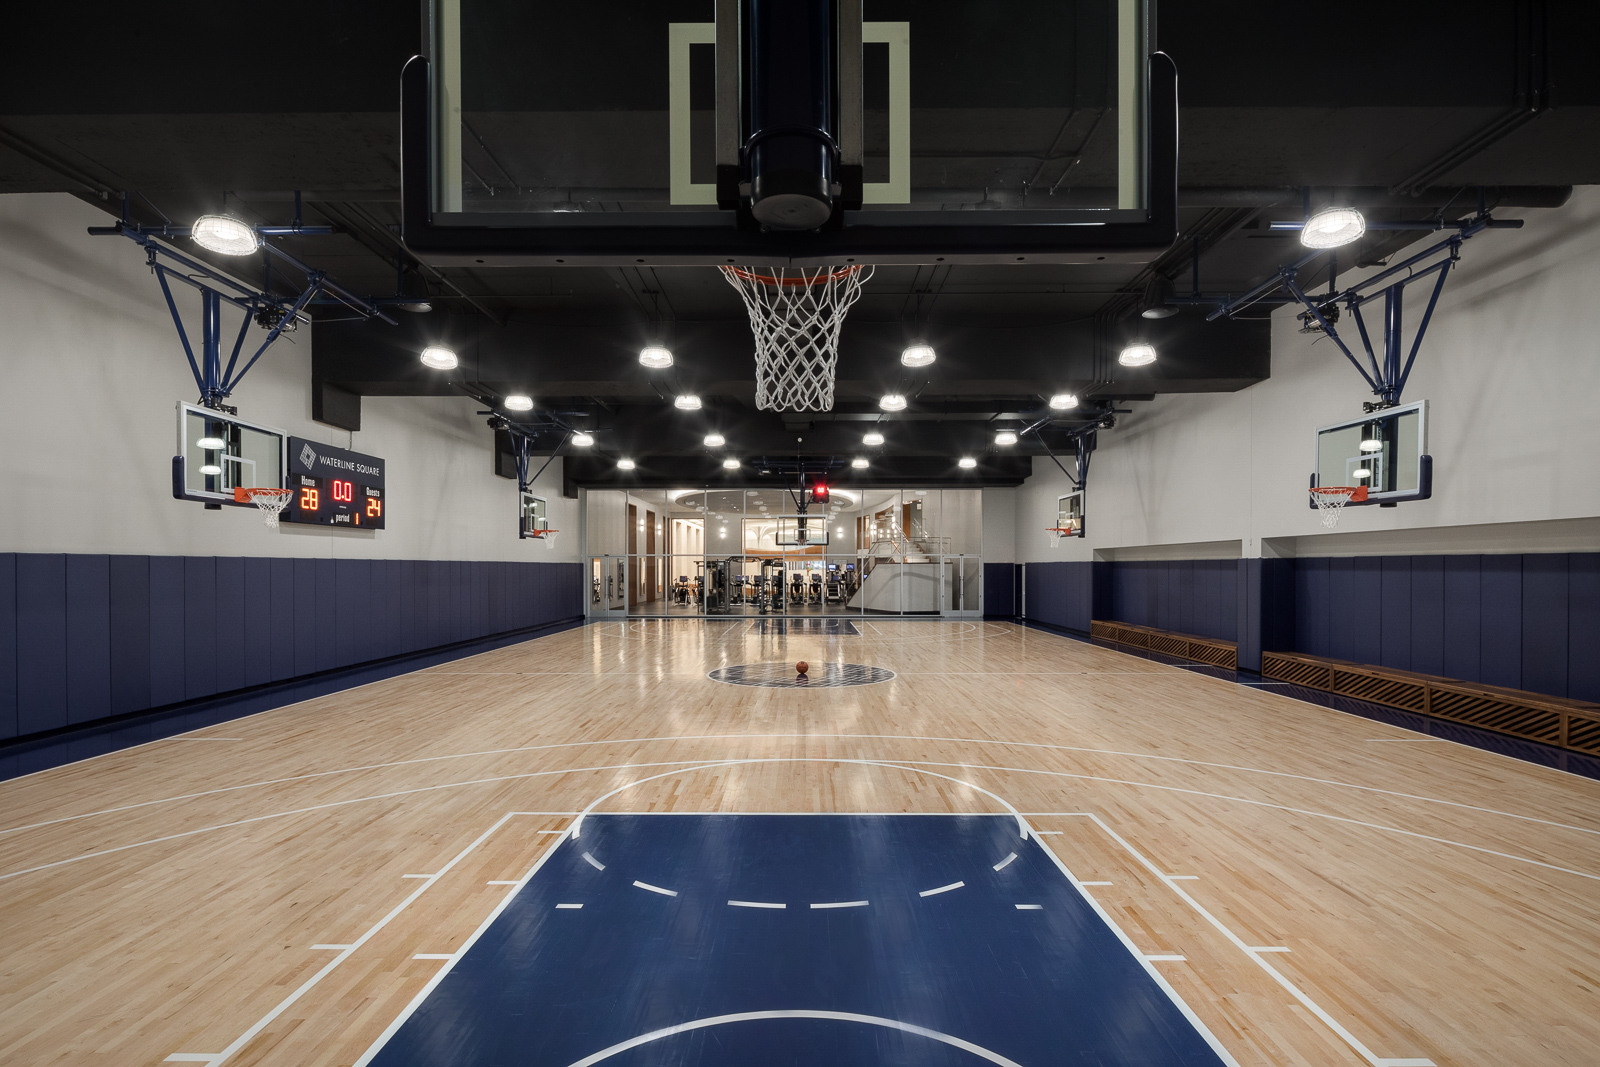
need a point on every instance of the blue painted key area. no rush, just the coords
(960, 977)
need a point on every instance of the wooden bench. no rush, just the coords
(1207, 650)
(1558, 721)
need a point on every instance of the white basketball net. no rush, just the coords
(1330, 501)
(796, 315)
(271, 501)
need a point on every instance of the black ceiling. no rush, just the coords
(1404, 109)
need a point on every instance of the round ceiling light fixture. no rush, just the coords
(1160, 311)
(686, 402)
(860, 463)
(1063, 401)
(892, 402)
(224, 235)
(655, 357)
(730, 464)
(966, 463)
(1005, 437)
(211, 442)
(519, 402)
(583, 440)
(1137, 355)
(626, 464)
(918, 355)
(1333, 227)
(715, 440)
(873, 439)
(440, 358)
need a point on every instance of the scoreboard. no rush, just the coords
(334, 486)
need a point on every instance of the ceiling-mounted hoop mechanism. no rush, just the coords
(277, 316)
(1387, 374)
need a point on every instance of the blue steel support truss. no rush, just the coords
(215, 382)
(1385, 374)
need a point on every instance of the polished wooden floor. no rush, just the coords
(1340, 891)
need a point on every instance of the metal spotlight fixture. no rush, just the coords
(873, 439)
(966, 463)
(860, 463)
(686, 402)
(1137, 355)
(626, 464)
(1005, 437)
(1063, 401)
(655, 357)
(225, 235)
(439, 358)
(582, 440)
(519, 402)
(892, 402)
(918, 355)
(1333, 227)
(715, 440)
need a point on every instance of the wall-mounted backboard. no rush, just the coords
(1035, 130)
(1386, 451)
(218, 452)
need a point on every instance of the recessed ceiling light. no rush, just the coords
(583, 440)
(439, 358)
(967, 462)
(872, 439)
(626, 464)
(1063, 401)
(715, 440)
(730, 464)
(224, 235)
(892, 402)
(1137, 355)
(860, 463)
(1332, 227)
(655, 357)
(917, 356)
(519, 402)
(211, 442)
(687, 402)
(1005, 437)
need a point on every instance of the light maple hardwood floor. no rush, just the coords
(250, 893)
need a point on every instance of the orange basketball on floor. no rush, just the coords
(802, 667)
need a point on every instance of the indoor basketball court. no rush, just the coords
(844, 532)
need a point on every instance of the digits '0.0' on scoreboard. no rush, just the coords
(334, 486)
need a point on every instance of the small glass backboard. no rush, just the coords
(218, 453)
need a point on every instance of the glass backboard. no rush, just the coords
(218, 453)
(1386, 451)
(965, 131)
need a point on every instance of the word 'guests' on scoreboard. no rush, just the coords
(334, 486)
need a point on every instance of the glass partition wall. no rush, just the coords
(750, 552)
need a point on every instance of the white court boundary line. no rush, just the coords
(348, 950)
(1255, 953)
(909, 765)
(793, 1013)
(692, 738)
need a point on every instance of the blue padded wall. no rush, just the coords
(88, 637)
(999, 589)
(1191, 596)
(1060, 594)
(1523, 621)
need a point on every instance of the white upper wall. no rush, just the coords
(92, 372)
(1510, 367)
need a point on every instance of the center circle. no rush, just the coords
(783, 675)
